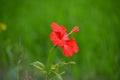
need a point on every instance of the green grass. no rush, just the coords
(27, 37)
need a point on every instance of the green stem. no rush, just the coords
(49, 56)
(49, 61)
(46, 77)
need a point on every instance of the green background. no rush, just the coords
(27, 38)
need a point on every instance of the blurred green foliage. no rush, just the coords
(26, 38)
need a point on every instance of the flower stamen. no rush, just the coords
(75, 29)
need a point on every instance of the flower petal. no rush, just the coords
(68, 52)
(56, 28)
(55, 39)
(72, 43)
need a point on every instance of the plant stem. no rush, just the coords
(46, 77)
(49, 61)
(49, 56)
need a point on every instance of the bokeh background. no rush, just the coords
(24, 37)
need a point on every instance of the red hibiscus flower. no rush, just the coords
(59, 37)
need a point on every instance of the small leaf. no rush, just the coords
(58, 76)
(62, 64)
(53, 67)
(37, 63)
(62, 73)
(71, 63)
(39, 66)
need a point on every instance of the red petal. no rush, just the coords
(56, 28)
(73, 45)
(65, 37)
(54, 38)
(68, 52)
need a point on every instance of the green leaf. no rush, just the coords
(71, 62)
(37, 63)
(39, 66)
(62, 64)
(59, 77)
